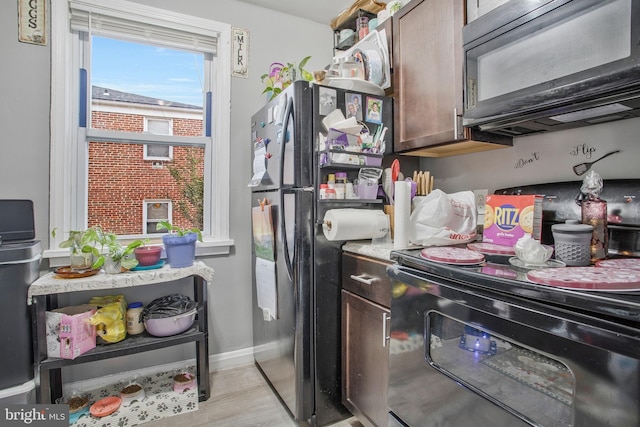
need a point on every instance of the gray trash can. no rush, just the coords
(19, 268)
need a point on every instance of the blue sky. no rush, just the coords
(147, 70)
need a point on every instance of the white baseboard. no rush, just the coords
(217, 362)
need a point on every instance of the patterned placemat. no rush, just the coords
(535, 370)
(160, 402)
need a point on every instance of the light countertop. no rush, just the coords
(365, 247)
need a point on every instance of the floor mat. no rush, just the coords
(160, 402)
(539, 372)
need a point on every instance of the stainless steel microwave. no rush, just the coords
(543, 65)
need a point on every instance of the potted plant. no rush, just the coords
(85, 253)
(112, 255)
(80, 244)
(148, 255)
(280, 76)
(119, 256)
(180, 244)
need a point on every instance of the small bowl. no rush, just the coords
(78, 404)
(184, 381)
(525, 256)
(148, 255)
(132, 392)
(106, 406)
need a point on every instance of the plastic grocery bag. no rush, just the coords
(442, 219)
(110, 319)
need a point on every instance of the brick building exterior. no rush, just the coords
(121, 181)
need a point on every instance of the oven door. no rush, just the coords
(461, 357)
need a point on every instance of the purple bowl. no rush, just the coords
(173, 325)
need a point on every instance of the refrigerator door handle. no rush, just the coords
(288, 113)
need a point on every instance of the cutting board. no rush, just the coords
(588, 278)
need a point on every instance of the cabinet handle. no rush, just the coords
(456, 124)
(363, 279)
(385, 337)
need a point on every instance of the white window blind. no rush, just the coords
(142, 24)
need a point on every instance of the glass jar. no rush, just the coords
(594, 213)
(362, 27)
(134, 324)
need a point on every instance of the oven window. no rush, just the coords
(533, 385)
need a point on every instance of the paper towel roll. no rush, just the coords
(402, 212)
(355, 224)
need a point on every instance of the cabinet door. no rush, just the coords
(427, 70)
(365, 358)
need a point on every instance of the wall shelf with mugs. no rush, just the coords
(347, 34)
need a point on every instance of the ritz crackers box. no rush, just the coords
(508, 217)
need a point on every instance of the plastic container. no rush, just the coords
(573, 243)
(134, 325)
(323, 191)
(367, 189)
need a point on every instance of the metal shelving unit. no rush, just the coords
(49, 369)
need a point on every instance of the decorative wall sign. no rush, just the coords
(32, 21)
(240, 52)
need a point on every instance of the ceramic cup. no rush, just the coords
(345, 34)
(382, 15)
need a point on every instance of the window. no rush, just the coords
(158, 127)
(154, 212)
(82, 135)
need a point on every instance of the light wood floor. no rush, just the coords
(240, 397)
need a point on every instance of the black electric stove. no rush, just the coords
(592, 338)
(498, 275)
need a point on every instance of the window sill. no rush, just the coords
(60, 257)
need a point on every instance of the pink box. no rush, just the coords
(76, 335)
(508, 217)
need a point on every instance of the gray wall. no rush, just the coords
(543, 158)
(24, 163)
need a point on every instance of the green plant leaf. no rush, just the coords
(304, 62)
(129, 263)
(306, 75)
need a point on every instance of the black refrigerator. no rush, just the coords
(296, 270)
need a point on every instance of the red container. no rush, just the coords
(148, 255)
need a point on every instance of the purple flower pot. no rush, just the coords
(181, 250)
